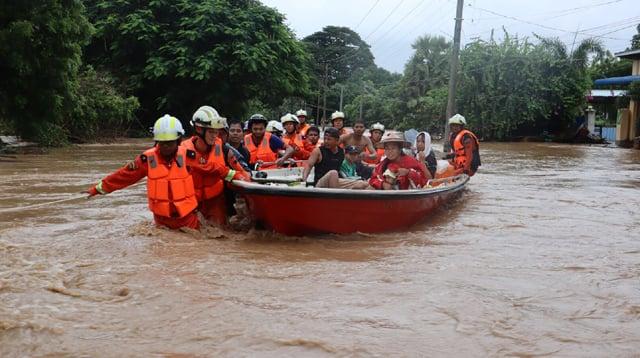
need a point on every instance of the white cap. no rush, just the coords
(458, 119)
(273, 126)
(301, 112)
(336, 115)
(289, 118)
(377, 127)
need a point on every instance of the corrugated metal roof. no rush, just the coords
(625, 80)
(631, 54)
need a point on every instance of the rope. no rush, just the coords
(34, 206)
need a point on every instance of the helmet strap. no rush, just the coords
(202, 134)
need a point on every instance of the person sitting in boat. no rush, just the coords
(292, 138)
(409, 172)
(326, 161)
(168, 167)
(311, 141)
(263, 147)
(424, 152)
(348, 169)
(303, 126)
(208, 145)
(465, 149)
(357, 138)
(337, 121)
(375, 132)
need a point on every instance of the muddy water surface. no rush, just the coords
(540, 256)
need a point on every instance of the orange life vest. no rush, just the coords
(170, 186)
(294, 140)
(379, 154)
(262, 151)
(207, 186)
(460, 158)
(303, 128)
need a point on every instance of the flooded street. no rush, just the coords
(539, 256)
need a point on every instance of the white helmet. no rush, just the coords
(458, 119)
(377, 127)
(289, 118)
(274, 126)
(167, 128)
(336, 115)
(207, 117)
(301, 112)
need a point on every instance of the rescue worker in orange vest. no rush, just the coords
(263, 147)
(303, 126)
(312, 139)
(465, 153)
(375, 132)
(170, 191)
(337, 121)
(292, 138)
(209, 148)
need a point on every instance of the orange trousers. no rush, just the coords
(190, 221)
(214, 209)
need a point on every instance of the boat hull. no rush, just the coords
(306, 211)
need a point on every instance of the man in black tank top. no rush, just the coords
(327, 160)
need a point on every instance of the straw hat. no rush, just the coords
(393, 137)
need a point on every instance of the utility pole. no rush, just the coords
(362, 99)
(341, 94)
(453, 74)
(324, 91)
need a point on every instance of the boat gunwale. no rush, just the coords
(345, 194)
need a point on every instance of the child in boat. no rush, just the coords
(348, 167)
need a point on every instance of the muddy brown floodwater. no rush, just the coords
(539, 256)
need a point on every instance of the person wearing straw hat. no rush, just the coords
(407, 172)
(168, 167)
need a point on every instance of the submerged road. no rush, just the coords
(539, 256)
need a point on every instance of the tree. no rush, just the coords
(341, 49)
(428, 67)
(178, 55)
(40, 49)
(635, 40)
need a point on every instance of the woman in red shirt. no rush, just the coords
(409, 173)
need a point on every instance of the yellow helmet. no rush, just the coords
(167, 128)
(458, 119)
(207, 117)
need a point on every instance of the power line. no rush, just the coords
(367, 14)
(582, 32)
(399, 22)
(385, 19)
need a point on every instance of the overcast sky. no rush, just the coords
(391, 26)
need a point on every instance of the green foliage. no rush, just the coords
(341, 50)
(635, 40)
(609, 66)
(633, 91)
(40, 48)
(101, 111)
(516, 87)
(428, 68)
(178, 55)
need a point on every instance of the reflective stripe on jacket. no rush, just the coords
(262, 151)
(207, 186)
(170, 186)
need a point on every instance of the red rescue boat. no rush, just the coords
(300, 210)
